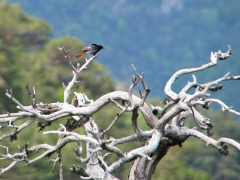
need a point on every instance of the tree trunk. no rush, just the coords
(142, 168)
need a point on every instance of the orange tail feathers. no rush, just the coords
(81, 54)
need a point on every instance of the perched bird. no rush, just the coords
(92, 49)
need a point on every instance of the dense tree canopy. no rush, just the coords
(28, 54)
(25, 47)
(161, 35)
(19, 34)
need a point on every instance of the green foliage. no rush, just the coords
(27, 54)
(208, 158)
(53, 69)
(173, 167)
(158, 37)
(19, 34)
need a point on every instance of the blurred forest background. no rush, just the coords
(158, 37)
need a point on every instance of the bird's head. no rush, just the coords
(101, 47)
(98, 45)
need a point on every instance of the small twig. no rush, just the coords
(73, 135)
(130, 92)
(28, 91)
(64, 128)
(19, 104)
(85, 160)
(60, 164)
(147, 90)
(223, 105)
(106, 155)
(34, 103)
(190, 85)
(116, 103)
(114, 120)
(5, 148)
(103, 163)
(223, 56)
(54, 164)
(32, 95)
(13, 134)
(7, 168)
(113, 149)
(76, 72)
(140, 92)
(69, 58)
(64, 86)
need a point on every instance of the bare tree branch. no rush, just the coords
(214, 57)
(166, 128)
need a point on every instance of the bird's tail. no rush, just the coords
(81, 54)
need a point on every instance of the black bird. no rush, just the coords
(92, 49)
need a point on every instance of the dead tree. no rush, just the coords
(167, 127)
